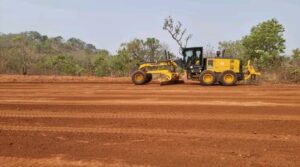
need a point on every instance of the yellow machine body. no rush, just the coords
(165, 69)
(223, 64)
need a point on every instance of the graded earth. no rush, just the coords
(84, 121)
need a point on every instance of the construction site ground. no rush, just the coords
(109, 122)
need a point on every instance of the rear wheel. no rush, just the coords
(139, 78)
(207, 78)
(228, 78)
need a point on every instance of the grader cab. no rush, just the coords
(207, 70)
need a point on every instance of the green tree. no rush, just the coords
(101, 63)
(64, 64)
(22, 51)
(265, 43)
(135, 49)
(234, 49)
(296, 54)
(3, 53)
(121, 64)
(144, 51)
(75, 43)
(90, 48)
(153, 49)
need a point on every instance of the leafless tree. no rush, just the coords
(177, 32)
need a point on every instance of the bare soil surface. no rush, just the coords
(88, 121)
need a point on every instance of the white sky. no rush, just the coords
(108, 23)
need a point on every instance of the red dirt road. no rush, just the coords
(110, 122)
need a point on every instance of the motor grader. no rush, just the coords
(207, 70)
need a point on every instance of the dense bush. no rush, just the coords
(292, 74)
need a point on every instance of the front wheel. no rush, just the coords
(139, 78)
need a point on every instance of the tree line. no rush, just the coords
(33, 53)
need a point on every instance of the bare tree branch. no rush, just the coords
(177, 33)
(187, 39)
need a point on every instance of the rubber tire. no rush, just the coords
(225, 73)
(143, 81)
(149, 78)
(202, 80)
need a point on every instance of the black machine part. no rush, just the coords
(193, 59)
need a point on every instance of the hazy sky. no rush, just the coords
(108, 23)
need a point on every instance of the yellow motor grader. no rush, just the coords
(207, 70)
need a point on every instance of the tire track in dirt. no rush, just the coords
(149, 102)
(144, 115)
(157, 132)
(7, 95)
(58, 162)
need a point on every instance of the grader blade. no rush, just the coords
(251, 73)
(168, 77)
(172, 82)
